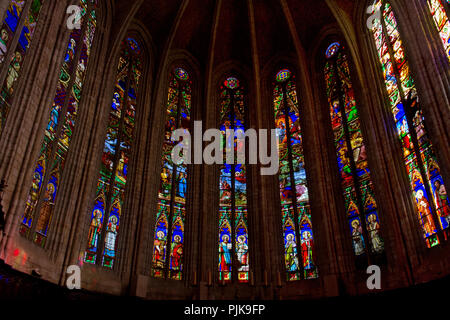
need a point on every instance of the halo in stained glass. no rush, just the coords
(231, 83)
(283, 75)
(181, 74)
(332, 49)
(134, 45)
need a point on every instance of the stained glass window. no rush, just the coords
(440, 18)
(168, 243)
(426, 183)
(20, 15)
(357, 187)
(299, 255)
(233, 223)
(332, 49)
(58, 133)
(106, 212)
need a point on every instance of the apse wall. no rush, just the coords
(359, 96)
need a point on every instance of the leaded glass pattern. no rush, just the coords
(107, 210)
(355, 176)
(426, 182)
(299, 250)
(233, 214)
(14, 45)
(440, 18)
(46, 179)
(168, 242)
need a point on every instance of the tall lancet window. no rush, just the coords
(168, 240)
(110, 193)
(16, 34)
(440, 11)
(427, 185)
(299, 255)
(46, 181)
(233, 224)
(356, 182)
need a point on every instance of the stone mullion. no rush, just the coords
(174, 185)
(96, 142)
(130, 254)
(192, 232)
(404, 241)
(356, 180)
(401, 242)
(378, 148)
(157, 138)
(52, 159)
(255, 199)
(423, 30)
(189, 266)
(29, 67)
(289, 151)
(13, 45)
(233, 270)
(426, 31)
(407, 103)
(253, 206)
(132, 222)
(67, 170)
(47, 49)
(110, 193)
(125, 240)
(42, 35)
(118, 273)
(77, 163)
(153, 172)
(429, 68)
(431, 76)
(338, 260)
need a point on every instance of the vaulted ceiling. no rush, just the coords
(223, 28)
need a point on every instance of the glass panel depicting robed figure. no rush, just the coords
(439, 9)
(107, 209)
(168, 242)
(299, 250)
(419, 155)
(351, 153)
(46, 180)
(233, 220)
(16, 34)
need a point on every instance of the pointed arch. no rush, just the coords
(117, 152)
(39, 208)
(427, 186)
(233, 205)
(173, 186)
(351, 152)
(293, 185)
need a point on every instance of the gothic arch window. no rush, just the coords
(106, 214)
(16, 34)
(46, 180)
(168, 243)
(426, 182)
(299, 255)
(355, 175)
(440, 9)
(233, 219)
